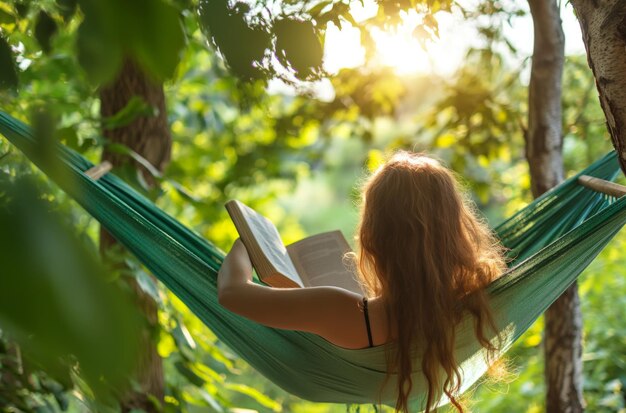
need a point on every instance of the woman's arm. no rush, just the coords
(330, 312)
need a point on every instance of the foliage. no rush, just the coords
(67, 320)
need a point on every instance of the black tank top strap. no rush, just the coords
(367, 322)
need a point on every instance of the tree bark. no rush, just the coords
(603, 26)
(544, 144)
(150, 138)
(544, 141)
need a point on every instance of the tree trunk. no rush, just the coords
(544, 143)
(603, 25)
(150, 138)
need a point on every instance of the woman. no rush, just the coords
(424, 259)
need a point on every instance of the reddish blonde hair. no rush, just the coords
(424, 251)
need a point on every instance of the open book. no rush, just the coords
(314, 261)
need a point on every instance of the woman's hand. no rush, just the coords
(235, 273)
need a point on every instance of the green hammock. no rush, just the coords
(551, 242)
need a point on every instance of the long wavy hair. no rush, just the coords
(425, 252)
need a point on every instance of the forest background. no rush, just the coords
(295, 150)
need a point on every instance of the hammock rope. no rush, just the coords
(551, 242)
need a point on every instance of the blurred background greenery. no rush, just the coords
(259, 110)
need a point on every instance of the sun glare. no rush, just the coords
(401, 51)
(399, 47)
(343, 48)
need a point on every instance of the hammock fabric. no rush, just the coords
(551, 242)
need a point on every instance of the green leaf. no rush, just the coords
(69, 137)
(148, 285)
(22, 7)
(8, 71)
(67, 8)
(44, 126)
(214, 404)
(46, 408)
(99, 54)
(45, 29)
(256, 395)
(189, 374)
(298, 47)
(159, 40)
(146, 31)
(125, 150)
(184, 341)
(242, 46)
(135, 107)
(58, 391)
(184, 192)
(6, 17)
(92, 321)
(317, 9)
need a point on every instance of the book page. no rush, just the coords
(320, 260)
(267, 238)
